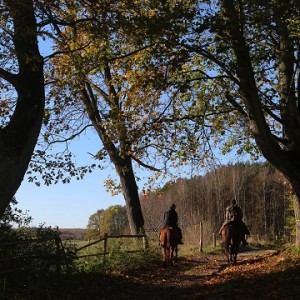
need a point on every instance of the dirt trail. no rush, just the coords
(194, 277)
(258, 275)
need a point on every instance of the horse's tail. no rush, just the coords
(164, 237)
(168, 239)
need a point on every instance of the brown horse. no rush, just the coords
(169, 240)
(231, 237)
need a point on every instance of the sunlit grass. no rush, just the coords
(122, 256)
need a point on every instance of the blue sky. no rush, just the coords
(70, 205)
(67, 205)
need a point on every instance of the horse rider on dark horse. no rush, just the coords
(171, 220)
(234, 214)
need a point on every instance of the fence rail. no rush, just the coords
(11, 255)
(10, 258)
(105, 239)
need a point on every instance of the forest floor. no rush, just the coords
(257, 275)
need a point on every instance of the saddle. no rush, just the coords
(169, 226)
(233, 226)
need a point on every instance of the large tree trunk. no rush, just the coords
(285, 158)
(123, 165)
(130, 192)
(19, 137)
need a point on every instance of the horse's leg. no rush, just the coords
(236, 254)
(227, 251)
(176, 254)
(230, 254)
(174, 251)
(227, 256)
(233, 256)
(164, 256)
(233, 253)
(226, 243)
(169, 256)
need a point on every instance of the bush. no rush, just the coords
(29, 255)
(125, 256)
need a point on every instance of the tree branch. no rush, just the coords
(145, 165)
(71, 137)
(11, 78)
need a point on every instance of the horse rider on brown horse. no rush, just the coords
(171, 220)
(234, 214)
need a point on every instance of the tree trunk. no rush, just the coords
(19, 137)
(284, 159)
(122, 163)
(130, 192)
(296, 204)
(124, 169)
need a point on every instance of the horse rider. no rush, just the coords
(171, 220)
(234, 214)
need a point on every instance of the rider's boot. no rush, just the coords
(245, 243)
(180, 236)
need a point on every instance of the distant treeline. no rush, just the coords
(72, 233)
(259, 189)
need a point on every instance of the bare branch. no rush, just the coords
(145, 165)
(71, 137)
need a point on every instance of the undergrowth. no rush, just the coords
(120, 262)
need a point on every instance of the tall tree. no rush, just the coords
(107, 71)
(114, 220)
(22, 94)
(94, 224)
(247, 54)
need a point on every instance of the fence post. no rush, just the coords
(145, 242)
(58, 256)
(105, 244)
(201, 238)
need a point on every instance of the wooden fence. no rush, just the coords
(12, 260)
(105, 239)
(12, 256)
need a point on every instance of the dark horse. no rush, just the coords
(231, 237)
(169, 240)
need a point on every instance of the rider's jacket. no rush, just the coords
(171, 218)
(234, 213)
